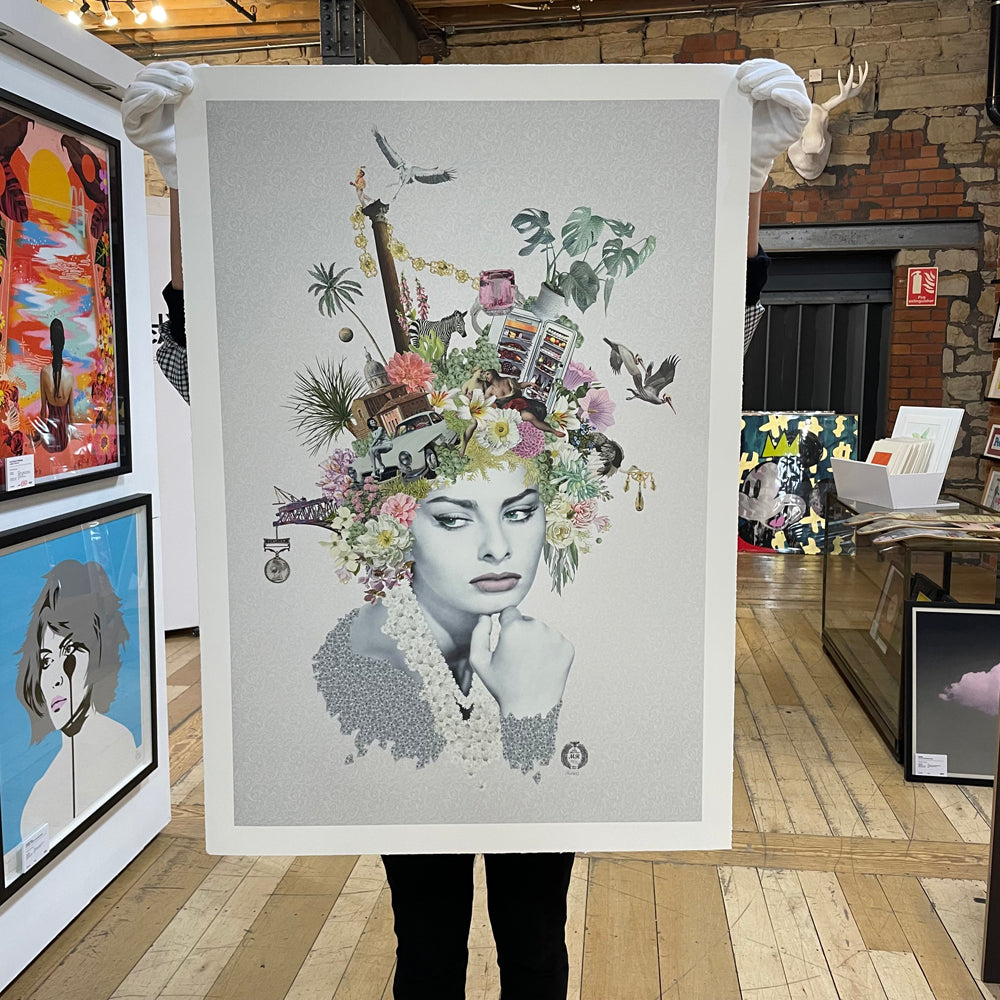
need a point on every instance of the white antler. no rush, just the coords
(848, 90)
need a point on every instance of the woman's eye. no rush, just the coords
(450, 521)
(520, 513)
(45, 662)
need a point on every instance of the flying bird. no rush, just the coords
(650, 386)
(406, 173)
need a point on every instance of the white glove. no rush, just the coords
(781, 110)
(148, 112)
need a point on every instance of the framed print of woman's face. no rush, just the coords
(63, 366)
(77, 714)
(493, 419)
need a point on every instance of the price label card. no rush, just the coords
(19, 472)
(36, 846)
(933, 765)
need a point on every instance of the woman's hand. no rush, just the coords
(148, 112)
(781, 110)
(527, 671)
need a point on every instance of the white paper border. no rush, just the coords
(465, 83)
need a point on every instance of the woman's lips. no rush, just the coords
(495, 583)
(57, 703)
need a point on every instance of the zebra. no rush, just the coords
(444, 328)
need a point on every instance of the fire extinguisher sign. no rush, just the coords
(921, 286)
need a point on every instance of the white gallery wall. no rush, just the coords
(47, 60)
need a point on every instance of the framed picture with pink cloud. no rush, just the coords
(951, 681)
(993, 443)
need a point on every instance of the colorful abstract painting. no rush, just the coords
(61, 311)
(785, 476)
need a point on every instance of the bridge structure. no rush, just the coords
(299, 510)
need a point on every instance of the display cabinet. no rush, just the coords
(864, 594)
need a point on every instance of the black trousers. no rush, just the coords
(432, 907)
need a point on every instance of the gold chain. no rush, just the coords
(399, 252)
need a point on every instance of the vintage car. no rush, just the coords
(412, 447)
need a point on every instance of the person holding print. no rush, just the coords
(66, 681)
(414, 669)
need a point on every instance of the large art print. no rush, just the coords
(63, 370)
(77, 714)
(465, 591)
(952, 684)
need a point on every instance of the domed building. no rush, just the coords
(381, 392)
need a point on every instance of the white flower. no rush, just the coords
(559, 534)
(345, 558)
(384, 542)
(498, 433)
(563, 413)
(342, 519)
(441, 399)
(473, 406)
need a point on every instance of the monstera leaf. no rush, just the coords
(580, 231)
(580, 284)
(646, 249)
(533, 225)
(624, 229)
(615, 257)
(609, 283)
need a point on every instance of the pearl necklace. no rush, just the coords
(469, 723)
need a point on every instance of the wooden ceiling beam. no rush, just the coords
(237, 34)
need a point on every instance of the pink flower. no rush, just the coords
(400, 507)
(576, 374)
(602, 523)
(404, 294)
(598, 409)
(411, 370)
(532, 441)
(423, 309)
(584, 513)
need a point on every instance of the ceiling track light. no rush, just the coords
(157, 13)
(109, 18)
(139, 15)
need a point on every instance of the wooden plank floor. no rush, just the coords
(844, 881)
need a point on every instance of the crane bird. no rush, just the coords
(406, 173)
(650, 386)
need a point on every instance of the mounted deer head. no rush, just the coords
(810, 154)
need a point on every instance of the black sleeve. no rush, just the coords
(756, 275)
(174, 298)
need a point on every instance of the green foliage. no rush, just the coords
(334, 291)
(416, 488)
(562, 564)
(547, 489)
(430, 347)
(362, 446)
(582, 282)
(322, 401)
(458, 364)
(533, 225)
(581, 231)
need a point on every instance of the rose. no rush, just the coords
(401, 507)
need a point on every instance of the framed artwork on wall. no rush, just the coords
(991, 492)
(952, 687)
(77, 688)
(993, 391)
(63, 355)
(995, 336)
(993, 443)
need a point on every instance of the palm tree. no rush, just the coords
(322, 404)
(337, 293)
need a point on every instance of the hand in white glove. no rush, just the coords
(148, 112)
(781, 110)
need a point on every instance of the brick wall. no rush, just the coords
(915, 144)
